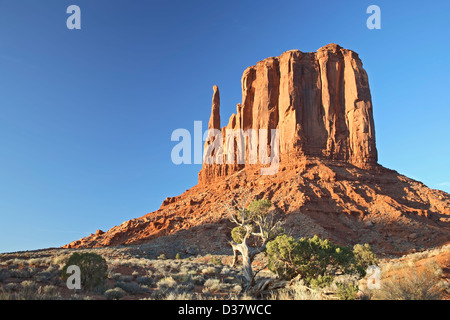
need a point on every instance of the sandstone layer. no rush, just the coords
(333, 199)
(320, 103)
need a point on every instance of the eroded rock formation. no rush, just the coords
(328, 182)
(320, 103)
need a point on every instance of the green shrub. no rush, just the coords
(259, 207)
(314, 258)
(283, 256)
(346, 291)
(321, 281)
(92, 266)
(238, 234)
(364, 257)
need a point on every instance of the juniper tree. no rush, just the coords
(256, 226)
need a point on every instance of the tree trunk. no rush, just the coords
(235, 257)
(246, 261)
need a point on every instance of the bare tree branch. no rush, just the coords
(260, 219)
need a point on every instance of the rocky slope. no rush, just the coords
(328, 181)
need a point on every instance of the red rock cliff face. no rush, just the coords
(328, 183)
(320, 103)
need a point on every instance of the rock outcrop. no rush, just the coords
(214, 121)
(333, 199)
(328, 181)
(320, 103)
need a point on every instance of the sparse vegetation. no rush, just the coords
(346, 290)
(4, 274)
(315, 259)
(414, 276)
(115, 294)
(211, 285)
(209, 270)
(132, 287)
(146, 281)
(162, 256)
(255, 224)
(297, 291)
(412, 284)
(216, 261)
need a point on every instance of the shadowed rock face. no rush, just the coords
(320, 103)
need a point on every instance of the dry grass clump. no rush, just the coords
(132, 288)
(211, 285)
(146, 280)
(166, 283)
(17, 262)
(209, 270)
(114, 294)
(23, 273)
(138, 262)
(180, 296)
(45, 276)
(416, 276)
(182, 277)
(421, 283)
(61, 260)
(114, 275)
(296, 291)
(29, 290)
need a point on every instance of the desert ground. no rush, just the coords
(134, 274)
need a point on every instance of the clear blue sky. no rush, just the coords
(86, 115)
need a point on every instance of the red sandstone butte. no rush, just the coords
(328, 182)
